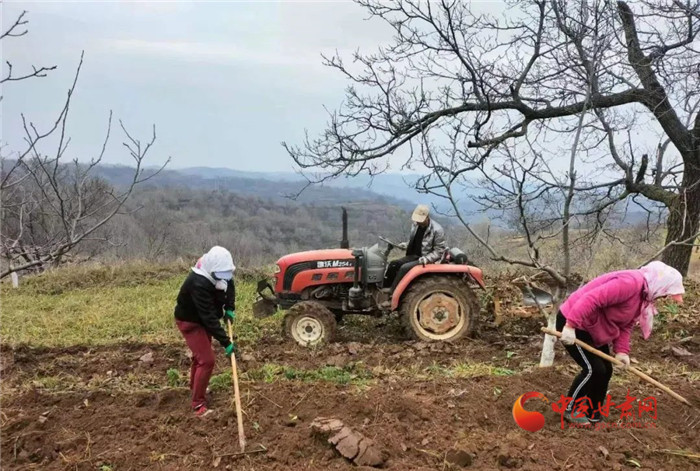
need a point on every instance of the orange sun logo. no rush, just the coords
(528, 420)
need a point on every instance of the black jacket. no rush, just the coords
(200, 302)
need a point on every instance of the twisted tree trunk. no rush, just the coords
(683, 221)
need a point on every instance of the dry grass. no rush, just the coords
(98, 305)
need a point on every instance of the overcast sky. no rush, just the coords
(224, 83)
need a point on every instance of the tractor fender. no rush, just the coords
(434, 269)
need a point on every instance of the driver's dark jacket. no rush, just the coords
(434, 245)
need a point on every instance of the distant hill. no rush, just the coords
(278, 187)
(183, 212)
(387, 188)
(390, 188)
(400, 188)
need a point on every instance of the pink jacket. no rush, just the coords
(607, 308)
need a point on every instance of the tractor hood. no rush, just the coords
(299, 270)
(328, 258)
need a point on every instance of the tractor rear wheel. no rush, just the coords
(439, 309)
(309, 323)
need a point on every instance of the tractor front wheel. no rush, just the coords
(309, 323)
(439, 309)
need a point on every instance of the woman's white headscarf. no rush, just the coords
(218, 259)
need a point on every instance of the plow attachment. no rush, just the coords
(266, 304)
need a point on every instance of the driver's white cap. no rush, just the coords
(420, 214)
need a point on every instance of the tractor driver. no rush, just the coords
(426, 245)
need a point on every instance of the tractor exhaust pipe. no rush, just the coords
(345, 244)
(356, 293)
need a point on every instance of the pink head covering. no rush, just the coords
(662, 280)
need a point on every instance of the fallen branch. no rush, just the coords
(271, 401)
(637, 439)
(300, 401)
(686, 454)
(431, 453)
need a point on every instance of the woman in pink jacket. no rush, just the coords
(603, 313)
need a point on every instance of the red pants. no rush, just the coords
(203, 359)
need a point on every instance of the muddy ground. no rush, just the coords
(105, 409)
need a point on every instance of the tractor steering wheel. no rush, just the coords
(383, 239)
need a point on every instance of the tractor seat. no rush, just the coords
(454, 255)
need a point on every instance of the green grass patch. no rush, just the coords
(221, 382)
(460, 370)
(175, 379)
(355, 374)
(107, 305)
(472, 370)
(439, 371)
(59, 382)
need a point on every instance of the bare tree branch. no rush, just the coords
(49, 207)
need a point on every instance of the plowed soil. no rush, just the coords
(111, 411)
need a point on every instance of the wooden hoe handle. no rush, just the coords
(239, 411)
(617, 362)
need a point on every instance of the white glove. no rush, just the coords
(403, 246)
(624, 358)
(422, 261)
(568, 335)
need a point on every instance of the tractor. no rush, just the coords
(436, 302)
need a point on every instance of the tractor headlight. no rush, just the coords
(277, 269)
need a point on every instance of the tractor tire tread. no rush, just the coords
(310, 309)
(422, 287)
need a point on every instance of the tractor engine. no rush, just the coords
(370, 264)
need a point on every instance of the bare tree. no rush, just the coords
(473, 82)
(50, 207)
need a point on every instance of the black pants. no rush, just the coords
(592, 381)
(397, 269)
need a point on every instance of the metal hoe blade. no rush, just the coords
(541, 297)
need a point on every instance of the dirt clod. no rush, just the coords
(350, 444)
(291, 421)
(325, 426)
(459, 458)
(354, 348)
(507, 458)
(681, 352)
(346, 442)
(339, 361)
(147, 358)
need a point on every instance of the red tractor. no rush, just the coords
(436, 301)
